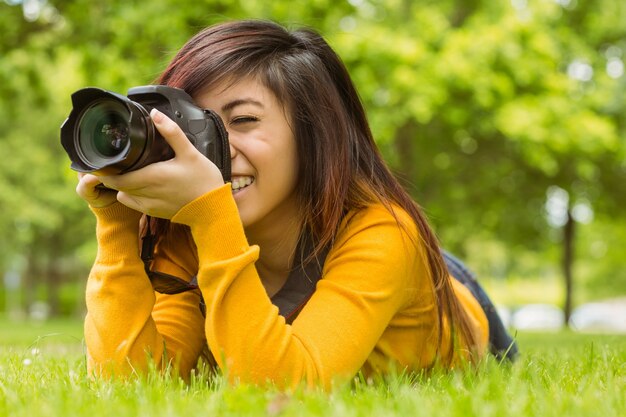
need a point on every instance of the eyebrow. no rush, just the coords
(232, 104)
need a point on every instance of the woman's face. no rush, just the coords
(263, 151)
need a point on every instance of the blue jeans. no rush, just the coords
(501, 344)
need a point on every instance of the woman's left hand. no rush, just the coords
(163, 188)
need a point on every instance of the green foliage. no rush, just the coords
(479, 106)
(483, 114)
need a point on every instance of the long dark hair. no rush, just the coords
(340, 167)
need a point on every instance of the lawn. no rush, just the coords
(42, 373)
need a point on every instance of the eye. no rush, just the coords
(238, 120)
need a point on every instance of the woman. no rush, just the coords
(310, 199)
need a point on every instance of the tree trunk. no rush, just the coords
(404, 142)
(53, 283)
(53, 276)
(29, 282)
(568, 261)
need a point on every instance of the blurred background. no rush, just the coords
(505, 119)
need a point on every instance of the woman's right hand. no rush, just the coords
(91, 190)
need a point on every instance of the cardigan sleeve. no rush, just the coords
(128, 327)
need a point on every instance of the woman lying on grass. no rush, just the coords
(311, 265)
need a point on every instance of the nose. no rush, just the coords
(232, 143)
(233, 150)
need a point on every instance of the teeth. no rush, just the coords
(238, 183)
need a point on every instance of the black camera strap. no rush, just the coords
(223, 146)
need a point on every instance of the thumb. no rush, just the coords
(172, 133)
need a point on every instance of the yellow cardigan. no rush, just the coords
(373, 310)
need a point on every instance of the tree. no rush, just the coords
(481, 108)
(492, 106)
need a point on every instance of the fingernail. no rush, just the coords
(156, 115)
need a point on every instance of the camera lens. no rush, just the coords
(104, 132)
(109, 134)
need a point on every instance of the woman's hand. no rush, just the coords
(91, 190)
(163, 188)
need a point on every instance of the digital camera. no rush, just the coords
(107, 133)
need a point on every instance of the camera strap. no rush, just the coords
(223, 146)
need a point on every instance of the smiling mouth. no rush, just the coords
(239, 183)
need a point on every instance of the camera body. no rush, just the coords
(108, 134)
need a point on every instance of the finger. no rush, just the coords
(150, 206)
(131, 201)
(88, 180)
(172, 133)
(134, 181)
(89, 187)
(94, 182)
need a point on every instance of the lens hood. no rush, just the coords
(99, 116)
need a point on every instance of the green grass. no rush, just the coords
(42, 373)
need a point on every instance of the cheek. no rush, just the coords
(280, 154)
(291, 164)
(284, 174)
